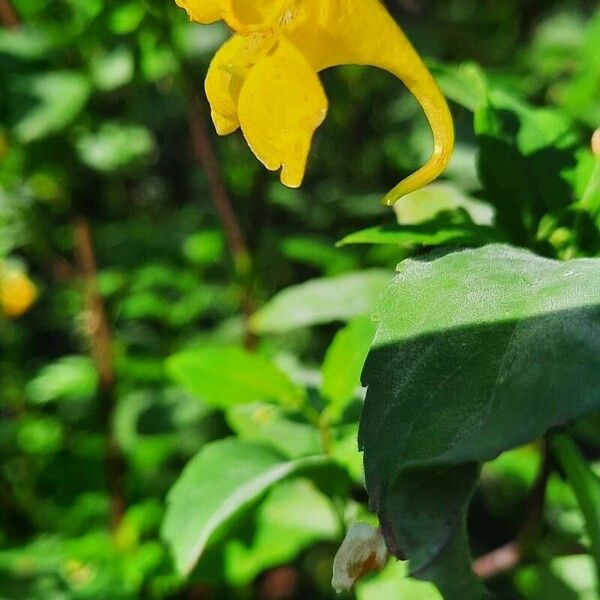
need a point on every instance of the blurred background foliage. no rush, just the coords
(127, 305)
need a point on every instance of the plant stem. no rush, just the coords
(509, 555)
(586, 485)
(207, 158)
(98, 333)
(8, 15)
(206, 155)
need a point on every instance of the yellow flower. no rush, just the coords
(264, 78)
(17, 292)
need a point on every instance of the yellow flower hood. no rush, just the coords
(264, 78)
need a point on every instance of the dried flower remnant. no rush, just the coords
(362, 551)
(596, 143)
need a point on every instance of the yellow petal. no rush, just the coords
(351, 32)
(205, 11)
(223, 86)
(258, 12)
(238, 14)
(228, 71)
(281, 104)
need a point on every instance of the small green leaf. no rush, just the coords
(126, 18)
(114, 69)
(586, 485)
(434, 233)
(40, 435)
(224, 377)
(567, 578)
(58, 96)
(442, 204)
(321, 301)
(69, 378)
(221, 482)
(115, 146)
(343, 363)
(465, 84)
(317, 253)
(267, 424)
(204, 247)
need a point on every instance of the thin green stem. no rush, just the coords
(586, 485)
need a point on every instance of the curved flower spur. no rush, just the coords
(264, 78)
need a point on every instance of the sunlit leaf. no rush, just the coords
(221, 482)
(58, 96)
(224, 377)
(321, 301)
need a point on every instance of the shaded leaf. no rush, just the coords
(343, 363)
(475, 353)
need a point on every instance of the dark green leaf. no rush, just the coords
(476, 352)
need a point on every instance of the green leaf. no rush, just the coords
(115, 146)
(586, 485)
(476, 352)
(204, 247)
(114, 69)
(69, 378)
(437, 232)
(224, 377)
(394, 582)
(268, 425)
(567, 578)
(343, 364)
(40, 435)
(220, 483)
(579, 96)
(444, 205)
(465, 84)
(523, 154)
(126, 18)
(321, 301)
(317, 253)
(25, 43)
(58, 96)
(294, 516)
